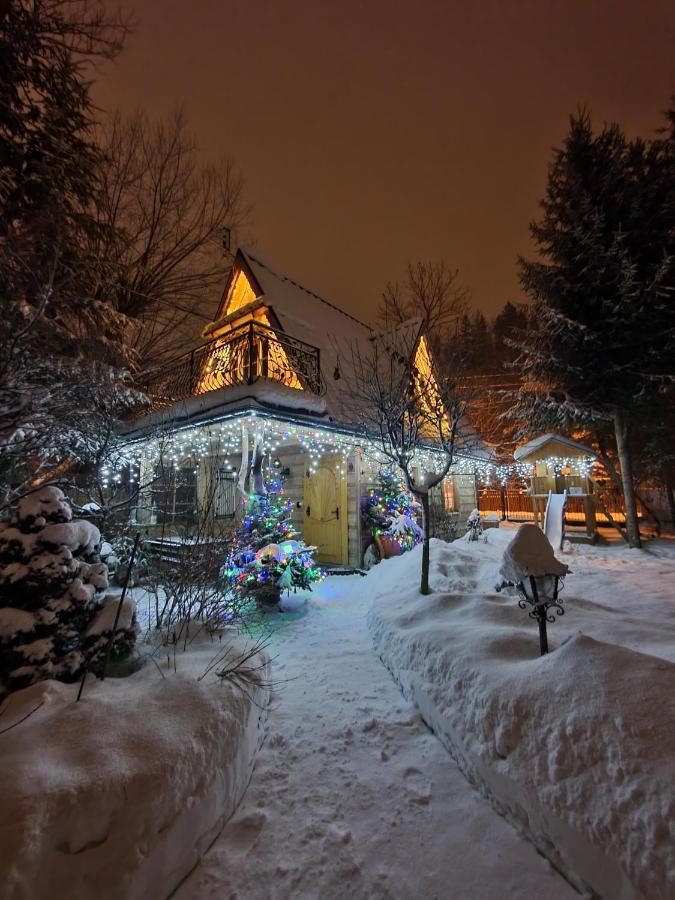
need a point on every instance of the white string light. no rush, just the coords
(223, 438)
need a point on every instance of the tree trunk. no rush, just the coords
(426, 524)
(669, 486)
(650, 512)
(623, 450)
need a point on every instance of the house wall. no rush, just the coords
(449, 509)
(550, 449)
(464, 489)
(295, 462)
(354, 494)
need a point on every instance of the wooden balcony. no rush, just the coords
(245, 355)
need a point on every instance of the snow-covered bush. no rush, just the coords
(474, 526)
(117, 556)
(53, 618)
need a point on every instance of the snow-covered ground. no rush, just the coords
(351, 795)
(119, 795)
(576, 748)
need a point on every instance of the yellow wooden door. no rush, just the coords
(325, 523)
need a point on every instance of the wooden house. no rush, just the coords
(271, 372)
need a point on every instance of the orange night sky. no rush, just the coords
(370, 133)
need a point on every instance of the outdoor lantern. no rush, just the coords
(530, 565)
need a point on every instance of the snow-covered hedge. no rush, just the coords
(576, 747)
(120, 794)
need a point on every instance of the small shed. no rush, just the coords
(559, 464)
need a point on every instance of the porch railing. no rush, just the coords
(243, 356)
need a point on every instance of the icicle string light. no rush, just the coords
(223, 438)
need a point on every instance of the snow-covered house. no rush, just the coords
(272, 372)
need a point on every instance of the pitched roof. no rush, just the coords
(340, 337)
(540, 442)
(306, 316)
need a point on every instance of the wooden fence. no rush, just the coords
(516, 506)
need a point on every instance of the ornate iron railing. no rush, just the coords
(243, 356)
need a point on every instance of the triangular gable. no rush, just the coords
(407, 346)
(424, 364)
(425, 373)
(226, 364)
(242, 288)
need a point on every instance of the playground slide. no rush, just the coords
(554, 519)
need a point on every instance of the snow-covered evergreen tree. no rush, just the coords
(63, 350)
(602, 335)
(53, 619)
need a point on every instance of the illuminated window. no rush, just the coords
(448, 493)
(241, 293)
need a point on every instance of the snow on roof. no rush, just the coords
(540, 442)
(262, 394)
(308, 317)
(304, 315)
(295, 303)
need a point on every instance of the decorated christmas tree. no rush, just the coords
(390, 512)
(54, 620)
(265, 558)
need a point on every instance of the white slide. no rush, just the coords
(554, 519)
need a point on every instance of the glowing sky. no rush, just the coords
(370, 133)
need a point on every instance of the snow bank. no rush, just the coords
(575, 748)
(104, 620)
(119, 795)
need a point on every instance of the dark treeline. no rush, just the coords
(488, 345)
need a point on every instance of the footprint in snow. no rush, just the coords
(243, 833)
(418, 786)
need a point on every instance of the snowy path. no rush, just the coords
(352, 796)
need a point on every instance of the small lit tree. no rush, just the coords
(265, 557)
(391, 510)
(407, 411)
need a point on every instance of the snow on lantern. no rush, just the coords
(530, 565)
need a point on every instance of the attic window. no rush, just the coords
(241, 293)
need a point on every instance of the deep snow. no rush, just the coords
(575, 747)
(351, 795)
(117, 796)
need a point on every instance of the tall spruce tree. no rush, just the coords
(601, 346)
(63, 348)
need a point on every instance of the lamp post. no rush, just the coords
(541, 594)
(529, 564)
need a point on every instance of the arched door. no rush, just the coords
(325, 523)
